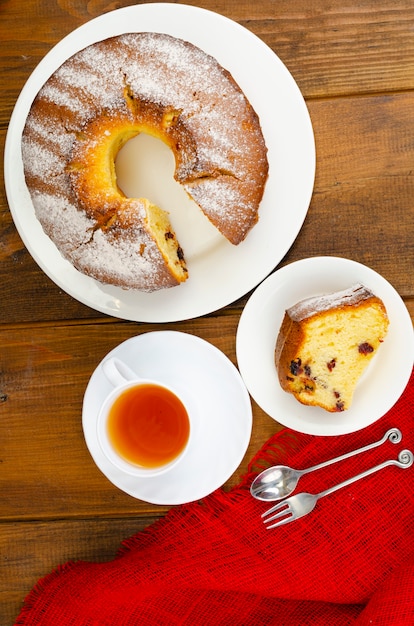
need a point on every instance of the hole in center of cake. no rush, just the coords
(145, 168)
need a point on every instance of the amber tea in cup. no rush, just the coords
(143, 426)
(148, 425)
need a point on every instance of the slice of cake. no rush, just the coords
(326, 342)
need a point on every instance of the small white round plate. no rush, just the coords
(220, 273)
(202, 376)
(382, 382)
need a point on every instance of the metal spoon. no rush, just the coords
(277, 482)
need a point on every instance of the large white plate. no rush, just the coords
(381, 384)
(202, 376)
(221, 273)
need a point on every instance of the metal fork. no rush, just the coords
(303, 503)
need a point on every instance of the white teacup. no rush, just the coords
(143, 426)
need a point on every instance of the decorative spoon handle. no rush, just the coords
(394, 435)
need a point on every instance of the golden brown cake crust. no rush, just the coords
(101, 97)
(325, 343)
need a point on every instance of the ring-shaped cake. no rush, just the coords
(91, 106)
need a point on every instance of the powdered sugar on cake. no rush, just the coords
(348, 297)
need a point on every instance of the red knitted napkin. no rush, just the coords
(350, 561)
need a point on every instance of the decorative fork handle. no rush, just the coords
(394, 435)
(405, 459)
(308, 501)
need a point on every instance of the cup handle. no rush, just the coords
(117, 372)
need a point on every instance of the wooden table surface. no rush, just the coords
(354, 63)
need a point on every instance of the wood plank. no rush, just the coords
(342, 47)
(361, 206)
(410, 306)
(362, 203)
(44, 373)
(29, 551)
(332, 48)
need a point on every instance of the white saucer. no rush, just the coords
(196, 370)
(381, 384)
(219, 273)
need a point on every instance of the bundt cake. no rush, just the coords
(326, 342)
(91, 106)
